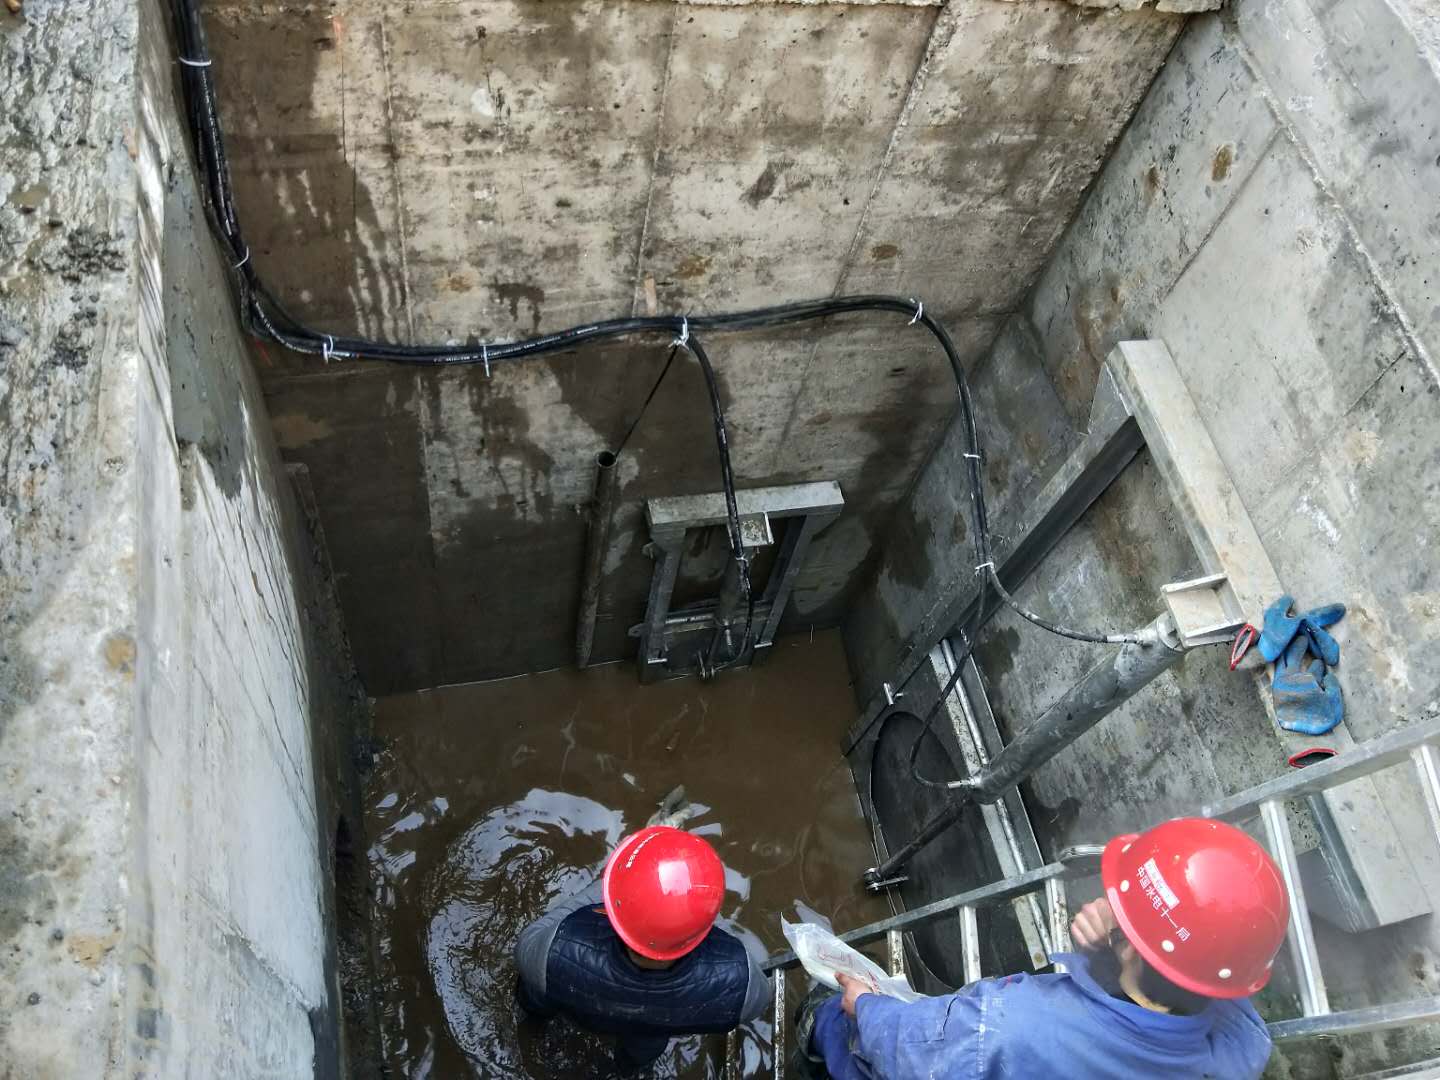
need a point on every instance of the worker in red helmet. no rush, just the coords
(638, 954)
(1192, 916)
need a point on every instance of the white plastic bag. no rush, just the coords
(822, 954)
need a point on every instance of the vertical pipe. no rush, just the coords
(777, 1046)
(597, 540)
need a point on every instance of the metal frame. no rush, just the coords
(1361, 876)
(1418, 745)
(1112, 440)
(670, 519)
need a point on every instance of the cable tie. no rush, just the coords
(919, 311)
(990, 563)
(975, 457)
(194, 63)
(327, 348)
(242, 262)
(683, 341)
(485, 358)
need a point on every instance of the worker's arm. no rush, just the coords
(935, 1036)
(532, 947)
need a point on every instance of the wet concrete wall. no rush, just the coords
(445, 171)
(1271, 215)
(175, 692)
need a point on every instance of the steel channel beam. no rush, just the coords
(999, 817)
(1112, 441)
(699, 511)
(1369, 875)
(1427, 765)
(791, 559)
(1358, 1021)
(1301, 932)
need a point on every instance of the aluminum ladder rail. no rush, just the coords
(1416, 744)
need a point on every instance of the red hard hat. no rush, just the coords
(663, 888)
(1201, 901)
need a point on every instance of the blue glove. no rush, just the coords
(1307, 700)
(1322, 644)
(1279, 629)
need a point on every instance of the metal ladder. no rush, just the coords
(1416, 744)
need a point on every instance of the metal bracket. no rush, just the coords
(670, 639)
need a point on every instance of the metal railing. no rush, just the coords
(1416, 744)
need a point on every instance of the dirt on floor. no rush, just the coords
(491, 800)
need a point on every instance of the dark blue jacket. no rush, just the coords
(572, 960)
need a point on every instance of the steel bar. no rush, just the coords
(895, 952)
(791, 560)
(597, 542)
(996, 891)
(1358, 1021)
(1058, 910)
(1006, 817)
(1313, 999)
(777, 1040)
(970, 943)
(933, 826)
(1361, 760)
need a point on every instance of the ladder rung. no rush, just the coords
(777, 1040)
(970, 943)
(1313, 998)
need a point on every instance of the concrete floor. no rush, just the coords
(490, 799)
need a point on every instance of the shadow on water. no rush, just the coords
(493, 800)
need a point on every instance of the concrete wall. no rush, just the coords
(175, 694)
(480, 170)
(1273, 215)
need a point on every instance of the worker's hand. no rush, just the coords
(1090, 929)
(853, 988)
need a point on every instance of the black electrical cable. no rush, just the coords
(263, 316)
(727, 478)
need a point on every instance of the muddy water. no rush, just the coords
(491, 800)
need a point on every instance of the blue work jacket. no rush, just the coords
(1039, 1026)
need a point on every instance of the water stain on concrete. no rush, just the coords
(693, 266)
(492, 799)
(120, 654)
(513, 292)
(1220, 166)
(766, 182)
